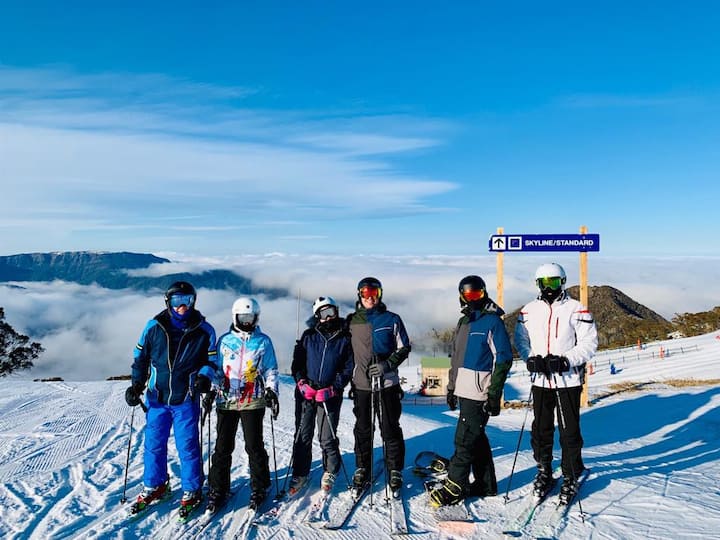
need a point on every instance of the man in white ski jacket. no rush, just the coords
(556, 336)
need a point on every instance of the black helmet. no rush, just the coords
(372, 284)
(472, 289)
(181, 288)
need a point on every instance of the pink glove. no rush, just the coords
(324, 394)
(306, 390)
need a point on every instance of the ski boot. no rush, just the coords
(256, 499)
(395, 482)
(327, 481)
(150, 495)
(215, 500)
(296, 484)
(568, 490)
(543, 483)
(188, 504)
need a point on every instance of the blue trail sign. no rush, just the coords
(545, 242)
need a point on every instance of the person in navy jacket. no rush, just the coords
(481, 359)
(322, 366)
(175, 358)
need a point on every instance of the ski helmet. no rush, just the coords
(245, 312)
(369, 287)
(180, 293)
(472, 289)
(324, 307)
(550, 279)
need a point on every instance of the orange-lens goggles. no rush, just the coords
(472, 295)
(369, 292)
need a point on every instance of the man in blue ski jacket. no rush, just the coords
(175, 359)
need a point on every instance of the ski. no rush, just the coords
(551, 523)
(398, 517)
(317, 516)
(524, 517)
(350, 499)
(279, 504)
(197, 526)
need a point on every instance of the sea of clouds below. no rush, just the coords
(89, 332)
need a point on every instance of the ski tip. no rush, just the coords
(513, 534)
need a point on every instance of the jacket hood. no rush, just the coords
(488, 307)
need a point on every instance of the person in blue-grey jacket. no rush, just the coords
(175, 357)
(322, 366)
(481, 359)
(246, 385)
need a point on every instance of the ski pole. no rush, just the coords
(123, 499)
(334, 436)
(373, 392)
(522, 429)
(384, 448)
(561, 419)
(272, 435)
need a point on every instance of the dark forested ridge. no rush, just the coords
(109, 270)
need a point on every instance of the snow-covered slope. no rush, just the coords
(654, 456)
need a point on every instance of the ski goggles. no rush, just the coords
(245, 318)
(370, 292)
(327, 312)
(472, 295)
(550, 282)
(177, 300)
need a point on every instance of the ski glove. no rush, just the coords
(536, 364)
(207, 403)
(557, 364)
(272, 403)
(324, 394)
(451, 400)
(378, 369)
(133, 393)
(492, 406)
(202, 385)
(307, 391)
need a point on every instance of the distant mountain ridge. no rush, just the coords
(109, 270)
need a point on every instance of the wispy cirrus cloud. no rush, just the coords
(129, 150)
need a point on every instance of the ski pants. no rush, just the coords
(472, 451)
(183, 419)
(388, 408)
(312, 412)
(251, 421)
(545, 405)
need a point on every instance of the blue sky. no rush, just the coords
(338, 127)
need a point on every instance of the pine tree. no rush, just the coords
(16, 353)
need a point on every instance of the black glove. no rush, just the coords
(207, 402)
(557, 364)
(272, 403)
(202, 385)
(133, 393)
(451, 400)
(536, 364)
(378, 369)
(492, 406)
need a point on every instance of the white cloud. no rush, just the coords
(95, 329)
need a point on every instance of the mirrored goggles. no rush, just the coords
(245, 318)
(177, 300)
(549, 282)
(370, 292)
(327, 312)
(473, 295)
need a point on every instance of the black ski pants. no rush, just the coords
(472, 451)
(387, 408)
(311, 413)
(252, 427)
(545, 405)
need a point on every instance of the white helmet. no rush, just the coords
(550, 270)
(322, 302)
(245, 311)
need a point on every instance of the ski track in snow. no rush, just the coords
(654, 457)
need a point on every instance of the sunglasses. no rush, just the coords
(370, 292)
(177, 300)
(473, 295)
(327, 312)
(549, 282)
